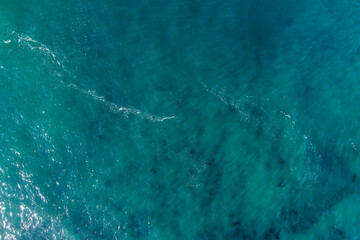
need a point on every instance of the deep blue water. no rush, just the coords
(181, 119)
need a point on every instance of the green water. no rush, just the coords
(179, 119)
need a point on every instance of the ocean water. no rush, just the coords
(180, 119)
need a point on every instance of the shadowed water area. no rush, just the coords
(184, 119)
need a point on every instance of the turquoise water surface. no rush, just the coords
(183, 119)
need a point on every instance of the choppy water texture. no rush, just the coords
(179, 119)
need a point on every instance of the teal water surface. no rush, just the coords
(180, 119)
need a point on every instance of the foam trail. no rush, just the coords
(229, 101)
(35, 45)
(116, 109)
(24, 40)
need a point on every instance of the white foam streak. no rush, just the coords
(126, 111)
(231, 102)
(35, 45)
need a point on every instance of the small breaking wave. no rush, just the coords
(126, 111)
(27, 41)
(249, 107)
(236, 104)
